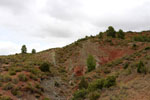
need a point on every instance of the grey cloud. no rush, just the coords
(65, 10)
(136, 19)
(17, 6)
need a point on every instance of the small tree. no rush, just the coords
(83, 83)
(121, 34)
(91, 63)
(23, 49)
(111, 32)
(33, 51)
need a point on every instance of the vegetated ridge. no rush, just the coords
(113, 65)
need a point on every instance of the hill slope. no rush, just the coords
(21, 76)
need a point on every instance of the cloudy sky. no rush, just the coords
(44, 24)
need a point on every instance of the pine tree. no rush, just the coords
(24, 49)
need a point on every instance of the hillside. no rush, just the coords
(122, 70)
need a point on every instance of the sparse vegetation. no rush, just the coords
(141, 68)
(83, 84)
(22, 77)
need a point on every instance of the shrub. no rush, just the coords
(141, 67)
(147, 48)
(80, 94)
(47, 99)
(16, 92)
(100, 36)
(94, 95)
(23, 49)
(142, 38)
(6, 78)
(83, 84)
(15, 80)
(33, 77)
(12, 72)
(22, 77)
(91, 63)
(134, 46)
(126, 65)
(111, 32)
(8, 86)
(120, 34)
(33, 51)
(45, 67)
(110, 81)
(97, 84)
(1, 84)
(5, 98)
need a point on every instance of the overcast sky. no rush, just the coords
(44, 24)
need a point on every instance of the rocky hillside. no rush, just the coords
(121, 70)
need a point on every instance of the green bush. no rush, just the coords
(110, 81)
(47, 99)
(91, 63)
(94, 95)
(134, 46)
(8, 86)
(6, 78)
(32, 76)
(33, 51)
(141, 68)
(12, 72)
(45, 67)
(126, 65)
(83, 83)
(142, 38)
(80, 94)
(120, 34)
(111, 32)
(5, 98)
(97, 84)
(15, 80)
(22, 77)
(147, 48)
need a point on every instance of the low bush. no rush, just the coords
(94, 95)
(141, 68)
(15, 80)
(6, 78)
(12, 72)
(97, 84)
(22, 77)
(8, 86)
(83, 83)
(45, 67)
(142, 38)
(110, 81)
(126, 65)
(80, 94)
(5, 98)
